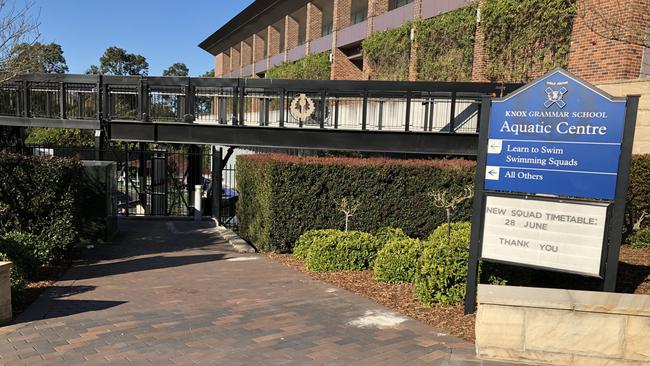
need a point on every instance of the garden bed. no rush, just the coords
(398, 297)
(45, 279)
(634, 276)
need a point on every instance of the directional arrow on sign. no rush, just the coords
(495, 146)
(492, 172)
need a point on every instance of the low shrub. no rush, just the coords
(442, 267)
(388, 234)
(641, 239)
(25, 264)
(349, 250)
(305, 241)
(637, 208)
(441, 274)
(38, 250)
(397, 260)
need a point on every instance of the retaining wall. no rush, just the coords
(562, 327)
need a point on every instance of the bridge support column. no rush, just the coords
(159, 183)
(194, 169)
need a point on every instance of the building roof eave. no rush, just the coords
(249, 21)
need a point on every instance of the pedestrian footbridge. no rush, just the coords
(381, 116)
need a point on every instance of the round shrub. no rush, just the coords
(442, 267)
(641, 239)
(388, 234)
(397, 261)
(349, 250)
(305, 241)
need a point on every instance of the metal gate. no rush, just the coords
(158, 181)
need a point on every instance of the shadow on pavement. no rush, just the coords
(65, 307)
(137, 265)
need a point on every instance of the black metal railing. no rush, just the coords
(347, 105)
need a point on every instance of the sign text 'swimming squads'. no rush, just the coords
(551, 179)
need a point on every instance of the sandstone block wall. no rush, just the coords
(562, 327)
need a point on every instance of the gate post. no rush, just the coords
(99, 145)
(217, 184)
(194, 169)
(159, 183)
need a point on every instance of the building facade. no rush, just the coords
(271, 32)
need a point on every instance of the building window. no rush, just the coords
(327, 29)
(359, 16)
(394, 4)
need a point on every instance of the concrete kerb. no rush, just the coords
(239, 244)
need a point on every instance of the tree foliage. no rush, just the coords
(39, 57)
(446, 45)
(117, 61)
(177, 69)
(17, 26)
(60, 137)
(387, 53)
(313, 67)
(526, 38)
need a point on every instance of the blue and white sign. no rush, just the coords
(556, 136)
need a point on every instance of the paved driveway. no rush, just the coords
(175, 293)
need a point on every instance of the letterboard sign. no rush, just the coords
(545, 234)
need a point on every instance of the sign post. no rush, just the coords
(551, 177)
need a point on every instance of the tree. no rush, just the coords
(116, 61)
(207, 74)
(177, 69)
(93, 70)
(17, 26)
(39, 57)
(60, 137)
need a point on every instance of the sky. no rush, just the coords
(164, 31)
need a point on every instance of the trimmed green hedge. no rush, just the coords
(311, 67)
(281, 196)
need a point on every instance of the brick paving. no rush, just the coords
(174, 293)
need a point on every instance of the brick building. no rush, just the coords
(271, 32)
